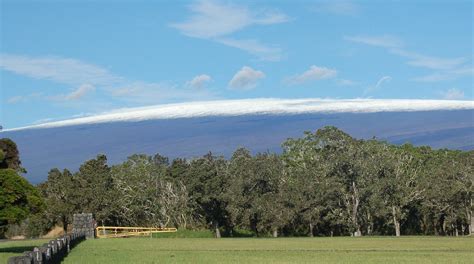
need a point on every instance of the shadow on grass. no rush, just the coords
(19, 249)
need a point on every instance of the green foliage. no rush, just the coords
(9, 156)
(323, 184)
(93, 189)
(60, 196)
(18, 198)
(147, 196)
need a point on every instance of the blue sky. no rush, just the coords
(61, 60)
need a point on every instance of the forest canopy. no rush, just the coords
(325, 183)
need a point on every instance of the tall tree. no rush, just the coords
(307, 184)
(399, 183)
(94, 189)
(59, 195)
(342, 153)
(207, 180)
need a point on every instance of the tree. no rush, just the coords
(10, 158)
(342, 154)
(18, 198)
(59, 191)
(271, 199)
(237, 199)
(145, 195)
(206, 182)
(449, 201)
(307, 184)
(93, 189)
(325, 183)
(399, 181)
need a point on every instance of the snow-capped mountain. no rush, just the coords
(192, 129)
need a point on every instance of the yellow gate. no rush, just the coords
(120, 231)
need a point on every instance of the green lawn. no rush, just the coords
(280, 250)
(16, 248)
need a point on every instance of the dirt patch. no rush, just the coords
(17, 237)
(55, 232)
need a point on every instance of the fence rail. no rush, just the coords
(120, 231)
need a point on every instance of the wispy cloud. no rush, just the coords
(430, 62)
(15, 99)
(212, 19)
(246, 79)
(314, 73)
(199, 81)
(382, 80)
(76, 94)
(378, 85)
(338, 8)
(346, 82)
(84, 78)
(23, 98)
(453, 94)
(61, 70)
(446, 75)
(385, 41)
(447, 68)
(254, 47)
(216, 21)
(152, 93)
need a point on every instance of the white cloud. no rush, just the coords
(436, 63)
(212, 19)
(430, 62)
(199, 81)
(217, 21)
(378, 85)
(262, 107)
(88, 77)
(382, 80)
(246, 79)
(385, 41)
(345, 82)
(448, 68)
(153, 93)
(74, 95)
(23, 98)
(254, 47)
(446, 75)
(314, 73)
(453, 94)
(61, 70)
(15, 99)
(338, 8)
(80, 92)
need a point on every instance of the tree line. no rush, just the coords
(322, 184)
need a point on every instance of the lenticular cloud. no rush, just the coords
(261, 107)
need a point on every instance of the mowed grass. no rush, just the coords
(16, 248)
(279, 250)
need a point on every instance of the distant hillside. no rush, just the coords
(70, 145)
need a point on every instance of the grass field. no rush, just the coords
(16, 248)
(280, 250)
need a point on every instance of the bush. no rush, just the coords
(38, 225)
